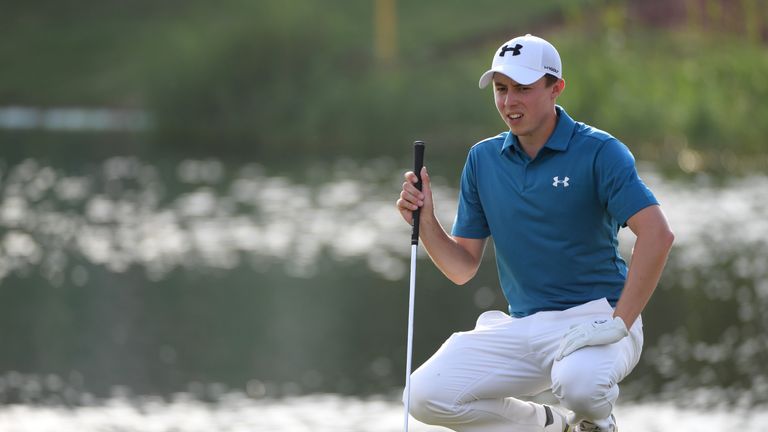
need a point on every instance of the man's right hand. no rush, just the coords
(412, 199)
(457, 257)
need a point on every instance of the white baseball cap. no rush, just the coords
(524, 59)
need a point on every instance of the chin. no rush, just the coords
(517, 130)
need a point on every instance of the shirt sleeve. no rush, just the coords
(470, 219)
(620, 188)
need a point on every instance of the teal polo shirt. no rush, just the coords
(554, 219)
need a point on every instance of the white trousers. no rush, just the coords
(471, 384)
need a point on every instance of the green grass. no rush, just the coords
(666, 93)
(254, 77)
(107, 53)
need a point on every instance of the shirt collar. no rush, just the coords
(559, 139)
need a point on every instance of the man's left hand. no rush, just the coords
(598, 332)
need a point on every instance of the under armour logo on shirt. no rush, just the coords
(515, 50)
(556, 181)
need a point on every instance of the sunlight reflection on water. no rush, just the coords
(122, 215)
(125, 214)
(202, 216)
(319, 413)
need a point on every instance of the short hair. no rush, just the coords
(550, 80)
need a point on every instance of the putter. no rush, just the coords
(418, 163)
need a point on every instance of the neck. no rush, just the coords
(533, 143)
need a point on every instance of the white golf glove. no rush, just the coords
(598, 332)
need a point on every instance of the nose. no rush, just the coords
(510, 99)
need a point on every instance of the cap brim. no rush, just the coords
(520, 75)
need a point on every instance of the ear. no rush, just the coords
(558, 88)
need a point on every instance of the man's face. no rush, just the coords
(525, 108)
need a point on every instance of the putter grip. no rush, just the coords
(418, 163)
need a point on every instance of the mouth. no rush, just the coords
(514, 117)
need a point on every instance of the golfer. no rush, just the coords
(553, 193)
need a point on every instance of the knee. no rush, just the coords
(586, 395)
(430, 403)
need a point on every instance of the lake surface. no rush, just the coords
(321, 413)
(125, 279)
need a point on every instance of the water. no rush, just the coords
(319, 413)
(73, 119)
(140, 296)
(116, 214)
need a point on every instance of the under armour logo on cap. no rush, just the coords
(515, 50)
